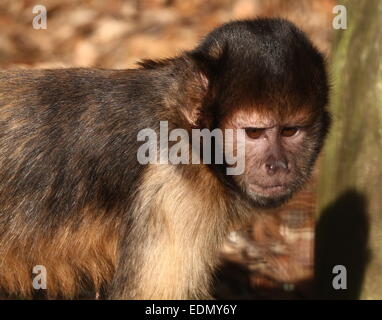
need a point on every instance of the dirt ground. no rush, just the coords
(270, 259)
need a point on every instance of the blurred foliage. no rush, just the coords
(117, 33)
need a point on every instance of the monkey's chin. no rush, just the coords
(270, 196)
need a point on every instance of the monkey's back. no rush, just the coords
(67, 160)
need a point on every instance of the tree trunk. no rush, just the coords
(349, 226)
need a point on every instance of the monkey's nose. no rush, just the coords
(273, 166)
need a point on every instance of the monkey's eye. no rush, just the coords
(254, 133)
(289, 131)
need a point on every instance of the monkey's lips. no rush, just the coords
(269, 190)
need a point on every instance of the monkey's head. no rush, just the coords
(265, 76)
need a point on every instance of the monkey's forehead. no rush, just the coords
(263, 118)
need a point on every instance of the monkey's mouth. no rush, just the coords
(269, 190)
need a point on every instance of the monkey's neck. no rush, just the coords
(184, 230)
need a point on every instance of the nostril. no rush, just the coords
(273, 166)
(283, 164)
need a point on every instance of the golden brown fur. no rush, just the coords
(74, 257)
(187, 227)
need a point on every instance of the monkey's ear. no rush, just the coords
(204, 81)
(194, 95)
(208, 57)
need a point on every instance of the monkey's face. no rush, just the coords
(279, 155)
(269, 80)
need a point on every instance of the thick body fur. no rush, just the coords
(72, 190)
(74, 198)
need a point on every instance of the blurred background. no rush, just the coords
(272, 258)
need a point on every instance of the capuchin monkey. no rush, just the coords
(75, 200)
